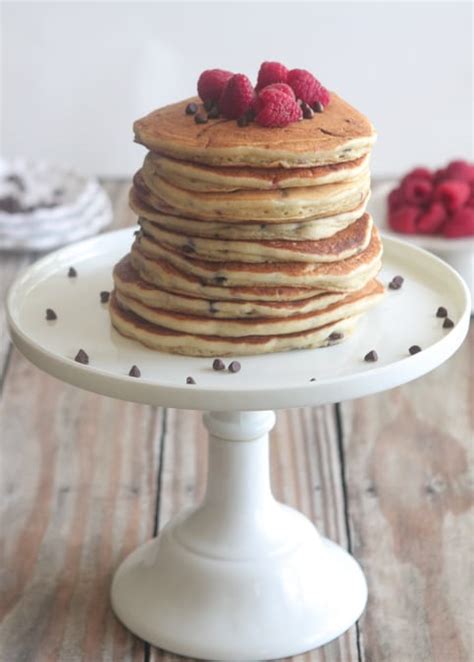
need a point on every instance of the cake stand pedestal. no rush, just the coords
(241, 576)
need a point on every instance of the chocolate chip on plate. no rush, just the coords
(441, 312)
(17, 181)
(191, 109)
(218, 364)
(371, 356)
(104, 296)
(81, 357)
(448, 323)
(72, 273)
(414, 349)
(234, 366)
(50, 314)
(396, 282)
(199, 118)
(336, 335)
(10, 205)
(190, 380)
(134, 371)
(313, 379)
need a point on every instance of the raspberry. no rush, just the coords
(460, 170)
(269, 73)
(237, 97)
(452, 193)
(279, 110)
(211, 83)
(307, 87)
(417, 190)
(461, 224)
(404, 219)
(268, 93)
(431, 220)
(422, 173)
(395, 199)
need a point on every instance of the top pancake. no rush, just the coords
(339, 134)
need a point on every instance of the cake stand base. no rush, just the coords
(241, 576)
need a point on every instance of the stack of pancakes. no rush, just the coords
(251, 239)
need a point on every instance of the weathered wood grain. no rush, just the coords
(79, 492)
(306, 474)
(409, 458)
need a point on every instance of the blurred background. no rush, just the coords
(74, 75)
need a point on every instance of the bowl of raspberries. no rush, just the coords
(435, 210)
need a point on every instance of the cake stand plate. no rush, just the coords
(240, 576)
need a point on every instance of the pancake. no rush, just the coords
(167, 340)
(279, 205)
(354, 304)
(321, 228)
(204, 178)
(127, 281)
(339, 134)
(346, 243)
(346, 275)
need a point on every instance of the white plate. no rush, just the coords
(405, 317)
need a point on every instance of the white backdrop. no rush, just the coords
(75, 75)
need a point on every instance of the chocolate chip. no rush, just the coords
(10, 205)
(50, 314)
(414, 349)
(134, 371)
(104, 296)
(371, 356)
(448, 323)
(81, 357)
(200, 118)
(72, 273)
(318, 107)
(136, 233)
(218, 364)
(220, 280)
(234, 366)
(190, 380)
(191, 109)
(212, 307)
(441, 312)
(396, 282)
(243, 120)
(308, 112)
(17, 180)
(335, 335)
(313, 379)
(209, 105)
(213, 114)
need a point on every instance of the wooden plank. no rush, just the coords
(306, 474)
(409, 461)
(79, 492)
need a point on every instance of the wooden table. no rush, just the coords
(85, 479)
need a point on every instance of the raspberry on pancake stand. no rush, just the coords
(211, 83)
(237, 97)
(271, 72)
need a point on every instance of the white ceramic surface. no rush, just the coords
(459, 253)
(241, 576)
(405, 317)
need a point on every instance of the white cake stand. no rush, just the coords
(241, 576)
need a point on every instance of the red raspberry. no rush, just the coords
(211, 83)
(237, 97)
(461, 224)
(422, 173)
(460, 170)
(279, 110)
(268, 93)
(395, 199)
(417, 190)
(431, 220)
(404, 219)
(440, 175)
(307, 87)
(269, 73)
(452, 193)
